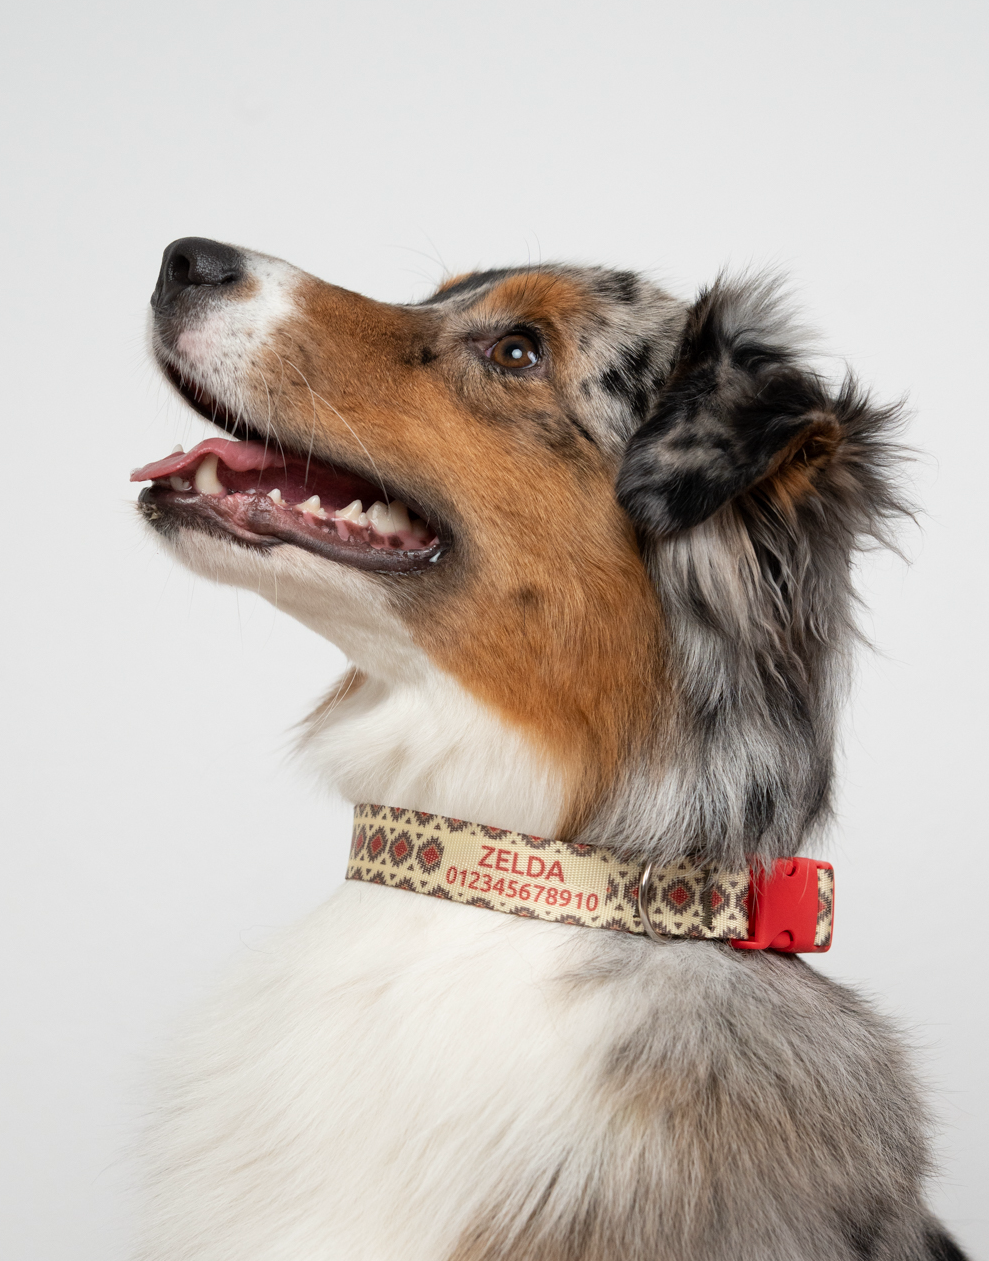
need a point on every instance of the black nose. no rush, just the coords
(195, 260)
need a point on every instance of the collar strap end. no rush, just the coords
(791, 907)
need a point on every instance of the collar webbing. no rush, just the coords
(588, 885)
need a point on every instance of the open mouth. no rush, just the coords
(261, 497)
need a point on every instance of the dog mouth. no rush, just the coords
(260, 495)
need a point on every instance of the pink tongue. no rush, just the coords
(239, 456)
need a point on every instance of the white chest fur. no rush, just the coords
(402, 1078)
(373, 1081)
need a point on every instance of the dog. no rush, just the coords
(587, 548)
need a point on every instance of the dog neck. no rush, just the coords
(417, 737)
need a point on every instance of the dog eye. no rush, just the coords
(514, 351)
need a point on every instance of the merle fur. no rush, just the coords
(941, 1247)
(755, 583)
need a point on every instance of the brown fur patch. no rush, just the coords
(547, 300)
(454, 280)
(559, 636)
(795, 470)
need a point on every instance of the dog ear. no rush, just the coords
(750, 485)
(736, 407)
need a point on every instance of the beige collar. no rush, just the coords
(789, 907)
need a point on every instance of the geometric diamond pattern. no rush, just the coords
(539, 878)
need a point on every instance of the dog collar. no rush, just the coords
(788, 907)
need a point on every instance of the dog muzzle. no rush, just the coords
(788, 906)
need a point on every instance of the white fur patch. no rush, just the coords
(218, 349)
(428, 745)
(370, 1080)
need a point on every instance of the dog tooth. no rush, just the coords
(400, 522)
(419, 530)
(180, 483)
(178, 449)
(206, 480)
(353, 511)
(311, 505)
(380, 518)
(275, 495)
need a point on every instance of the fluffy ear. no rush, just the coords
(735, 407)
(750, 486)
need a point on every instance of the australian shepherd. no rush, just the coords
(587, 547)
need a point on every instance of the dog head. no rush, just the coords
(618, 524)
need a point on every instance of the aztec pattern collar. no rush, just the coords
(788, 907)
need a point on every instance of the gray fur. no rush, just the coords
(756, 1112)
(756, 590)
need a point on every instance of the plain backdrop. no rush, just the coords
(155, 824)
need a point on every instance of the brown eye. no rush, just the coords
(514, 351)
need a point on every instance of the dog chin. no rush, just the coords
(338, 603)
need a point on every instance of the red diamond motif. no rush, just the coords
(401, 849)
(377, 844)
(430, 855)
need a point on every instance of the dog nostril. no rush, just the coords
(195, 261)
(178, 270)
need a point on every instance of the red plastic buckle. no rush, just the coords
(783, 908)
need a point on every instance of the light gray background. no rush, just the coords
(155, 824)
